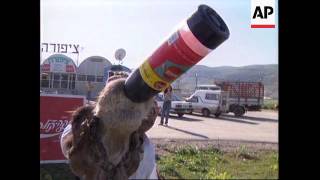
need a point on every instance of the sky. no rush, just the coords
(101, 27)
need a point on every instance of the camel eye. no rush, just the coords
(69, 145)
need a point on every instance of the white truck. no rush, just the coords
(227, 96)
(209, 102)
(178, 106)
(243, 96)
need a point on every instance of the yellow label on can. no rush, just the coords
(151, 78)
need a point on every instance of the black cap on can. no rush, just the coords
(136, 89)
(208, 27)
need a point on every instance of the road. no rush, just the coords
(253, 126)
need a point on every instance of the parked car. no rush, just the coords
(178, 106)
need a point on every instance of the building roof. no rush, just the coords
(93, 65)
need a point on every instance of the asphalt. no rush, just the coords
(253, 126)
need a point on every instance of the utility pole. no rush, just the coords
(196, 80)
(261, 76)
(178, 83)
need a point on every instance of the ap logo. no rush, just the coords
(263, 13)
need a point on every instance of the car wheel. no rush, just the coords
(217, 114)
(239, 111)
(180, 115)
(206, 112)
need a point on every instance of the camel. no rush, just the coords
(107, 140)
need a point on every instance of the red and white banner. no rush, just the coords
(55, 114)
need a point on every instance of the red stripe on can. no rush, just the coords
(174, 57)
(193, 42)
(177, 52)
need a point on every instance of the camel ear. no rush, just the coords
(80, 115)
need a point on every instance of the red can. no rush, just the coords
(199, 35)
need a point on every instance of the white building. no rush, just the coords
(91, 69)
(59, 74)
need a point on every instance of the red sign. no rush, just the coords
(46, 68)
(55, 114)
(70, 68)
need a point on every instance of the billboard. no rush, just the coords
(55, 115)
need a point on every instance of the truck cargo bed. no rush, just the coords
(248, 94)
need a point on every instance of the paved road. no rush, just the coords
(254, 126)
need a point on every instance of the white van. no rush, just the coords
(209, 102)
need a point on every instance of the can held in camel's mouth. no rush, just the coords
(195, 38)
